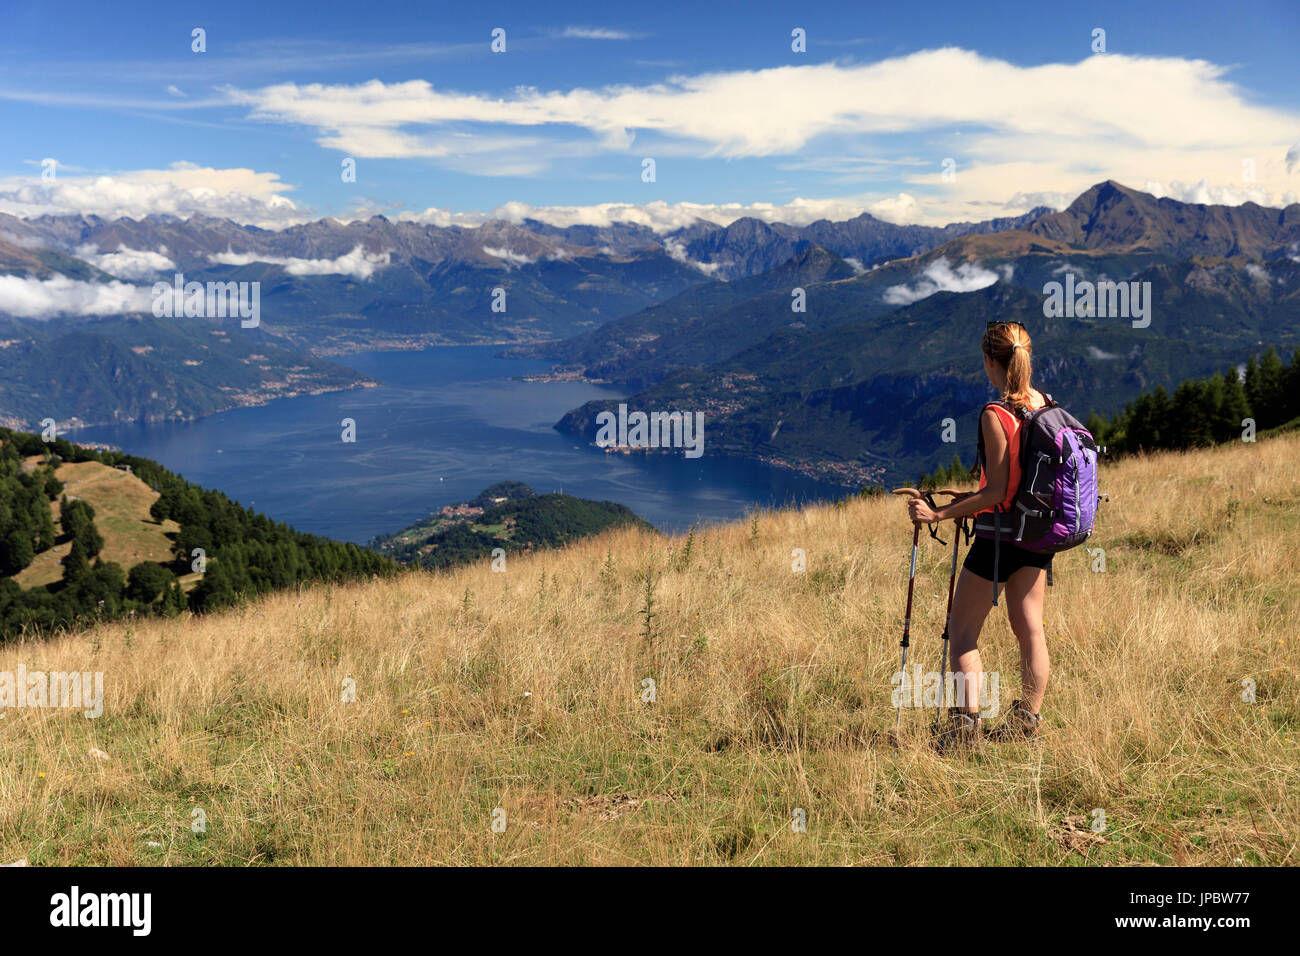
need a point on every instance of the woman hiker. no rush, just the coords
(1007, 351)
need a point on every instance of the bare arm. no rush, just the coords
(997, 472)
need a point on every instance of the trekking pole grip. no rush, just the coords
(928, 498)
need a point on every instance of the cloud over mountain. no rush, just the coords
(358, 263)
(182, 189)
(940, 276)
(126, 263)
(31, 298)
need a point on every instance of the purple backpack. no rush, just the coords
(1056, 503)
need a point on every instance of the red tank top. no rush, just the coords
(1011, 425)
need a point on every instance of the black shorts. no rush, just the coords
(979, 560)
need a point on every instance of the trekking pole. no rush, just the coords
(911, 584)
(947, 619)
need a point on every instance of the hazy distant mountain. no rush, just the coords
(852, 390)
(618, 238)
(746, 247)
(749, 245)
(1098, 237)
(118, 368)
(618, 302)
(864, 400)
(695, 326)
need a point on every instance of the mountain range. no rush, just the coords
(329, 287)
(856, 387)
(827, 347)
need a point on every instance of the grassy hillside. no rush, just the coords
(477, 690)
(153, 520)
(121, 502)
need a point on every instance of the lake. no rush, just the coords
(445, 423)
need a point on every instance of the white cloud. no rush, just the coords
(139, 193)
(183, 189)
(1206, 193)
(1023, 202)
(126, 263)
(31, 298)
(515, 258)
(1096, 353)
(358, 263)
(23, 242)
(1039, 134)
(939, 276)
(1032, 130)
(677, 250)
(1258, 273)
(902, 210)
(662, 217)
(595, 33)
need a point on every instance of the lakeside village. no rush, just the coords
(626, 432)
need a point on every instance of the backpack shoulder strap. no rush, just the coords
(1002, 404)
(979, 439)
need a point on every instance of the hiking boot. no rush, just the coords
(1020, 723)
(961, 735)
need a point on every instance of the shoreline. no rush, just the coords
(409, 344)
(75, 425)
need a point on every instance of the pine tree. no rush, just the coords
(42, 522)
(77, 518)
(1149, 425)
(174, 600)
(1191, 414)
(16, 552)
(1251, 385)
(147, 580)
(1269, 408)
(1291, 389)
(75, 565)
(1233, 408)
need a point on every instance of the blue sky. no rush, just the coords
(442, 128)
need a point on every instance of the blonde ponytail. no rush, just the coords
(1008, 344)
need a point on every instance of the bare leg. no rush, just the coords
(1025, 591)
(970, 606)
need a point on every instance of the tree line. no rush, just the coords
(1263, 395)
(1206, 411)
(236, 552)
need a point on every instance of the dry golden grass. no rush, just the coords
(522, 691)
